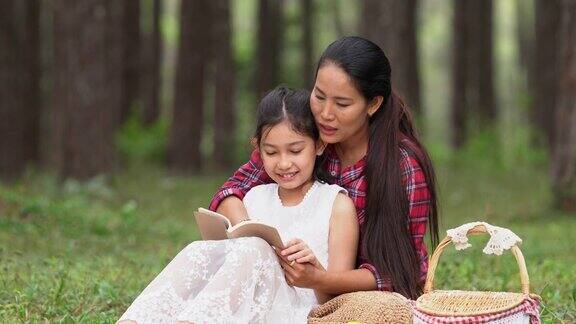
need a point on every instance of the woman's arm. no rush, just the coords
(228, 199)
(233, 208)
(306, 275)
(336, 283)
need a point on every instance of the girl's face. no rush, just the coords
(339, 109)
(288, 156)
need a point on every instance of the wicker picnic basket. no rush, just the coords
(456, 306)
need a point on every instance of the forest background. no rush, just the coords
(119, 118)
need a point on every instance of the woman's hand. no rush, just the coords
(298, 251)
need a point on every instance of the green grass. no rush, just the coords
(81, 252)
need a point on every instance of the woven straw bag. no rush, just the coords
(363, 307)
(455, 306)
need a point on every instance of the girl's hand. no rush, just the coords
(298, 251)
(304, 275)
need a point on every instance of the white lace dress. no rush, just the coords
(240, 280)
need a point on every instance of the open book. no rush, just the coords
(215, 226)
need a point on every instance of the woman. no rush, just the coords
(373, 152)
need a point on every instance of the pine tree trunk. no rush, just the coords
(547, 68)
(184, 152)
(460, 40)
(336, 10)
(563, 166)
(19, 86)
(224, 76)
(132, 56)
(88, 86)
(153, 53)
(307, 9)
(481, 69)
(525, 35)
(473, 95)
(392, 25)
(269, 45)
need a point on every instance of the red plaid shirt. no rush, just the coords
(353, 180)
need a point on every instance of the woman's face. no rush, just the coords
(339, 109)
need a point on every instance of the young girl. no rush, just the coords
(244, 280)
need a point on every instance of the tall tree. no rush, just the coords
(131, 40)
(269, 42)
(307, 10)
(481, 70)
(473, 95)
(547, 67)
(19, 85)
(563, 166)
(152, 51)
(392, 25)
(460, 40)
(224, 76)
(336, 12)
(184, 152)
(525, 22)
(88, 85)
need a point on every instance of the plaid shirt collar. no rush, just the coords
(349, 174)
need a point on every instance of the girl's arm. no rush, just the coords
(342, 247)
(342, 240)
(228, 199)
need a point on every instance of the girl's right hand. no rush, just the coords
(298, 251)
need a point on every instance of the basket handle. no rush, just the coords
(478, 229)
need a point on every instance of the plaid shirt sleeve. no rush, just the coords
(249, 175)
(383, 283)
(419, 205)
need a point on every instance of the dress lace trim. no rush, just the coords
(302, 202)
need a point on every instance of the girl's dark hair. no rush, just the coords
(293, 106)
(387, 241)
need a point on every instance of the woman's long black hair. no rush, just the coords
(387, 241)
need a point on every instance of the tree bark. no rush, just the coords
(392, 25)
(307, 9)
(473, 95)
(132, 56)
(152, 78)
(460, 40)
(184, 153)
(337, 16)
(224, 76)
(269, 45)
(483, 101)
(525, 35)
(19, 86)
(87, 86)
(547, 68)
(563, 166)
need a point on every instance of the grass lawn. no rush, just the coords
(82, 252)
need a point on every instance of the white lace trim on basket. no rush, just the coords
(500, 238)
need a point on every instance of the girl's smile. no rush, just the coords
(288, 156)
